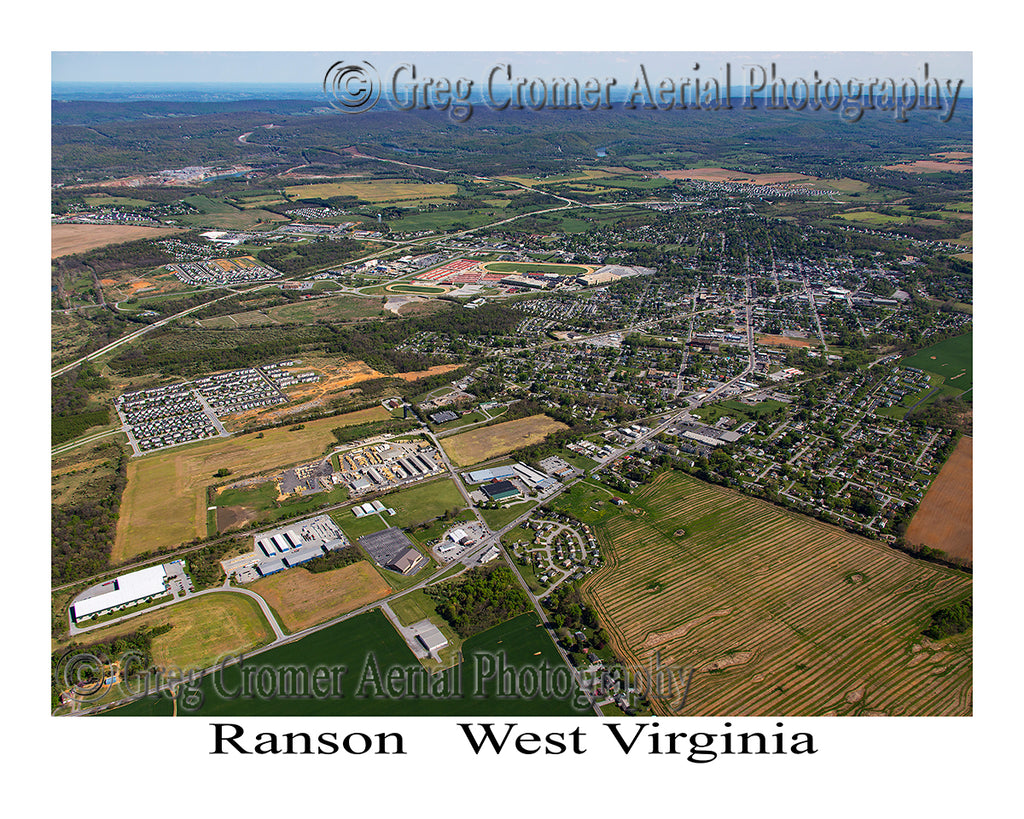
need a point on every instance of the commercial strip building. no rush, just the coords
(500, 490)
(430, 637)
(391, 549)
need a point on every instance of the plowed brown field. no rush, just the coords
(945, 518)
(777, 614)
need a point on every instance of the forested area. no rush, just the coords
(79, 666)
(83, 527)
(192, 350)
(482, 598)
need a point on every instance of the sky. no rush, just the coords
(310, 67)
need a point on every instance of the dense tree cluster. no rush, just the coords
(134, 650)
(482, 598)
(68, 427)
(290, 259)
(188, 350)
(954, 619)
(333, 560)
(69, 393)
(82, 529)
(204, 566)
(355, 432)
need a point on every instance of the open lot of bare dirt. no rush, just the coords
(783, 341)
(945, 518)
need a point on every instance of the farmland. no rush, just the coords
(67, 239)
(727, 175)
(368, 645)
(482, 444)
(376, 192)
(302, 599)
(945, 518)
(219, 214)
(776, 614)
(930, 166)
(164, 501)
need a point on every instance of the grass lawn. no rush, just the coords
(260, 496)
(418, 605)
(438, 527)
(536, 267)
(497, 518)
(589, 502)
(424, 502)
(414, 606)
(354, 528)
(417, 288)
(204, 629)
(738, 410)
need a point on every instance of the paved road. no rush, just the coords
(147, 329)
(271, 619)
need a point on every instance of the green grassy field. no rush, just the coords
(589, 502)
(354, 527)
(100, 200)
(368, 647)
(412, 506)
(417, 605)
(419, 504)
(497, 518)
(438, 527)
(953, 359)
(203, 629)
(416, 288)
(376, 191)
(738, 410)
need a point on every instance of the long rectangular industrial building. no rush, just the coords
(485, 475)
(279, 549)
(121, 591)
